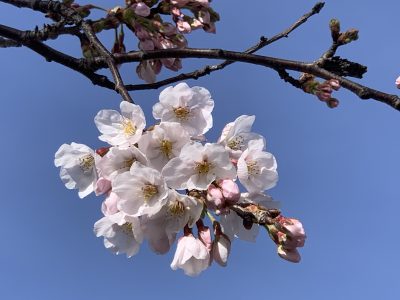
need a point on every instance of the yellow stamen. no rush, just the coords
(182, 113)
(176, 208)
(127, 228)
(129, 162)
(149, 191)
(252, 168)
(128, 127)
(203, 167)
(86, 163)
(166, 148)
(236, 143)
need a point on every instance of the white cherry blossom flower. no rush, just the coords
(197, 166)
(163, 143)
(142, 190)
(161, 229)
(256, 169)
(191, 255)
(110, 204)
(77, 162)
(122, 233)
(121, 129)
(191, 107)
(118, 161)
(236, 135)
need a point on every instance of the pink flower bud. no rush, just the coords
(334, 83)
(291, 255)
(230, 190)
(102, 186)
(215, 196)
(294, 232)
(333, 103)
(323, 96)
(141, 9)
(398, 82)
(183, 26)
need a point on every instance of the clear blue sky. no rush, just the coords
(339, 169)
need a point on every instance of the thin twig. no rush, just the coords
(119, 84)
(50, 54)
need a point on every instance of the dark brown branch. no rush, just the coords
(212, 68)
(361, 91)
(119, 84)
(7, 43)
(51, 54)
(275, 63)
(71, 15)
(255, 214)
(50, 31)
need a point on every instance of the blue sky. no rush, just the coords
(339, 169)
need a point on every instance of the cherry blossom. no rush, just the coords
(191, 255)
(77, 167)
(256, 168)
(117, 161)
(191, 107)
(197, 166)
(236, 135)
(122, 233)
(161, 229)
(121, 129)
(163, 143)
(142, 190)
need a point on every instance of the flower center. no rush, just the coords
(236, 143)
(86, 163)
(203, 167)
(127, 228)
(149, 191)
(128, 127)
(176, 208)
(166, 148)
(182, 113)
(128, 163)
(253, 168)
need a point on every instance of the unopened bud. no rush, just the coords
(398, 82)
(332, 103)
(334, 25)
(348, 36)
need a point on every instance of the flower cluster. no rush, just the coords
(165, 180)
(144, 19)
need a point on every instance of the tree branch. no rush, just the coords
(50, 54)
(108, 57)
(7, 43)
(108, 60)
(361, 91)
(212, 68)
